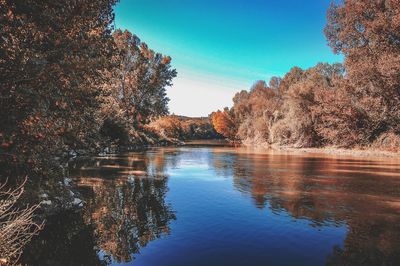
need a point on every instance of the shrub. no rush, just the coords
(389, 141)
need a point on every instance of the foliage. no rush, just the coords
(135, 91)
(224, 124)
(368, 35)
(336, 116)
(168, 127)
(51, 56)
(138, 80)
(348, 105)
(198, 128)
(389, 141)
(255, 111)
(183, 128)
(65, 77)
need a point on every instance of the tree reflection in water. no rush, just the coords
(364, 195)
(124, 210)
(126, 215)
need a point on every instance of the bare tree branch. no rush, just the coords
(17, 226)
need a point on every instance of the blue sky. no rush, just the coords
(220, 47)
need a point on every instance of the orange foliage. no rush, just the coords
(224, 124)
(183, 128)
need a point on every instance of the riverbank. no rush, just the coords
(343, 152)
(334, 151)
(328, 150)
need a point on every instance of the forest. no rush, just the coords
(354, 105)
(72, 84)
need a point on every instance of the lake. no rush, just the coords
(210, 205)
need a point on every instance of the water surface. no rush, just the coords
(227, 206)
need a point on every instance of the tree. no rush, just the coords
(168, 127)
(368, 34)
(300, 103)
(338, 121)
(291, 77)
(275, 83)
(51, 59)
(302, 110)
(138, 81)
(255, 111)
(224, 124)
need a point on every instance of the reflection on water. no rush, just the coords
(364, 195)
(124, 210)
(227, 206)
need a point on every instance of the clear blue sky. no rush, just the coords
(222, 46)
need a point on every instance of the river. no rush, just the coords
(210, 205)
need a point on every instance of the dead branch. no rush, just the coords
(17, 226)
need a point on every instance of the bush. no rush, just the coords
(387, 141)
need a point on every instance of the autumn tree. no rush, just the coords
(275, 83)
(367, 33)
(51, 59)
(224, 123)
(169, 127)
(198, 128)
(293, 76)
(138, 81)
(297, 112)
(173, 127)
(255, 111)
(302, 110)
(337, 119)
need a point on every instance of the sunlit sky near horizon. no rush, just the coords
(220, 47)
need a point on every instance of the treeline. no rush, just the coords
(180, 128)
(357, 104)
(70, 82)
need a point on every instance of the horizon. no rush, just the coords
(220, 49)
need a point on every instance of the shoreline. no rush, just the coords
(345, 152)
(333, 151)
(360, 152)
(364, 153)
